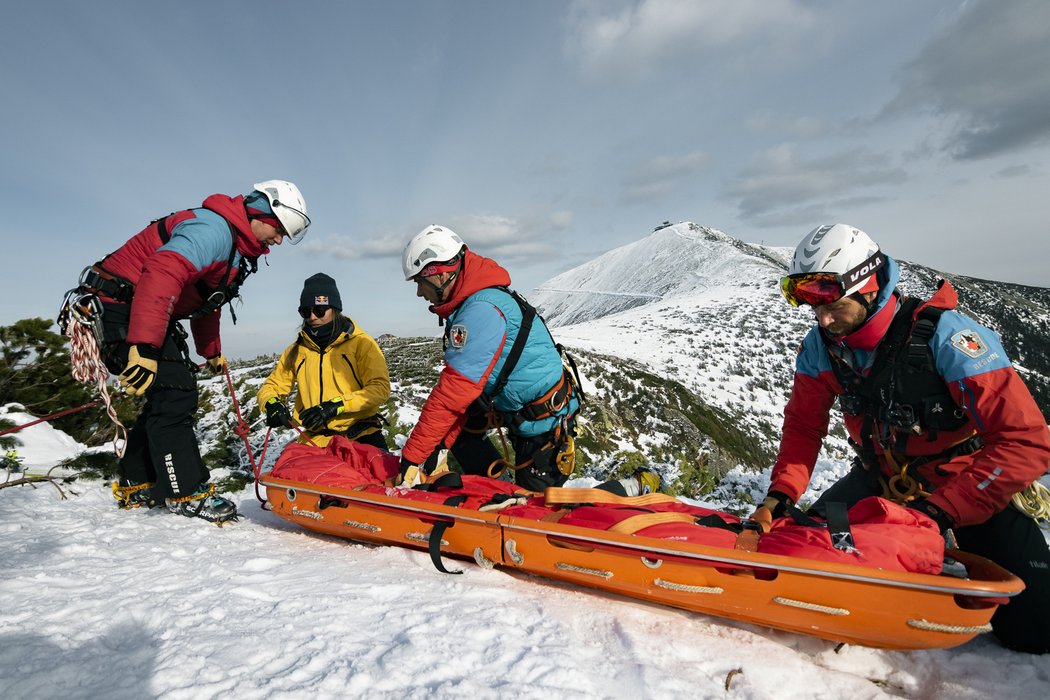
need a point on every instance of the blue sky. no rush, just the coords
(544, 132)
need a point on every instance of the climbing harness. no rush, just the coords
(903, 391)
(549, 404)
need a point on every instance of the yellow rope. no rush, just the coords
(1034, 501)
(195, 496)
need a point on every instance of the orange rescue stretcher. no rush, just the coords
(842, 602)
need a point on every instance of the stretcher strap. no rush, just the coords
(555, 495)
(633, 524)
(434, 543)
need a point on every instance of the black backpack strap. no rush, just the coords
(162, 228)
(919, 355)
(215, 297)
(838, 527)
(448, 480)
(528, 314)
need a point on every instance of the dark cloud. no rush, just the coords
(781, 187)
(988, 74)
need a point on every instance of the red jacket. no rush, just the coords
(983, 384)
(444, 412)
(166, 280)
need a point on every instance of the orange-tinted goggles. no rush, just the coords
(813, 288)
(820, 288)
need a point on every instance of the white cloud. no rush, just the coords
(799, 127)
(638, 38)
(346, 247)
(658, 177)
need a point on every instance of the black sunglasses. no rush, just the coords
(317, 311)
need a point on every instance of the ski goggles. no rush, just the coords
(316, 311)
(820, 288)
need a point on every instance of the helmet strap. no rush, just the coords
(869, 306)
(449, 282)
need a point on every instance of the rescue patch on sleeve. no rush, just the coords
(457, 335)
(969, 343)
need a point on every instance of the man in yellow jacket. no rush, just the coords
(340, 372)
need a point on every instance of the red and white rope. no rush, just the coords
(89, 369)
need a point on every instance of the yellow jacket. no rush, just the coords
(351, 367)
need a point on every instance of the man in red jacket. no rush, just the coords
(186, 265)
(933, 406)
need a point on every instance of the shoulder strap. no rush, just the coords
(528, 314)
(919, 354)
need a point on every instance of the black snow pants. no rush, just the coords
(162, 446)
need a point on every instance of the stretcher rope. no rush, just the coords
(483, 561)
(810, 606)
(686, 588)
(949, 629)
(602, 573)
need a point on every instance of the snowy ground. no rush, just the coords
(103, 603)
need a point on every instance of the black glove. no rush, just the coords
(316, 417)
(410, 472)
(141, 369)
(277, 414)
(774, 506)
(943, 520)
(778, 503)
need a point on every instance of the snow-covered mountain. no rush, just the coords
(675, 261)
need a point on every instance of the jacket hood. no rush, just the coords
(232, 209)
(478, 273)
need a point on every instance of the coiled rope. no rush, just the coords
(86, 361)
(1034, 501)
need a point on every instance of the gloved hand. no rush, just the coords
(217, 364)
(141, 369)
(316, 417)
(411, 474)
(775, 505)
(943, 520)
(277, 414)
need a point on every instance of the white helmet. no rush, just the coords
(843, 254)
(432, 244)
(288, 206)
